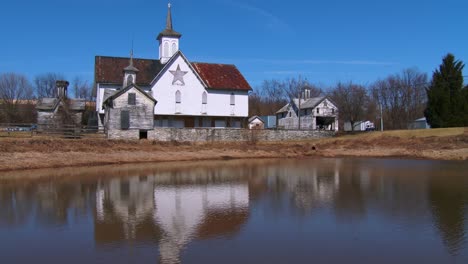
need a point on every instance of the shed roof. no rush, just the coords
(255, 117)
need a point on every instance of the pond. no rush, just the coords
(240, 211)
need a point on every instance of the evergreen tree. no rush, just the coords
(447, 99)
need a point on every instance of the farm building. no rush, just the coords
(314, 113)
(59, 111)
(420, 123)
(256, 122)
(270, 121)
(129, 109)
(189, 94)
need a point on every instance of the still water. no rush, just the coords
(257, 211)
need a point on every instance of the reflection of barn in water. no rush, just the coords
(172, 208)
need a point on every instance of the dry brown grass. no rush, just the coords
(29, 153)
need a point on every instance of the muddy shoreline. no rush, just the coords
(36, 153)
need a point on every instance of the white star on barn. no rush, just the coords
(178, 75)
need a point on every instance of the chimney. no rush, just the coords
(62, 87)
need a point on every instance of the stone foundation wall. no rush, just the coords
(218, 135)
(213, 135)
(123, 134)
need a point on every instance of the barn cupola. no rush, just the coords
(62, 87)
(130, 72)
(168, 39)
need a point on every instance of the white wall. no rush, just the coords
(191, 105)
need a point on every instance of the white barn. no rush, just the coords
(189, 94)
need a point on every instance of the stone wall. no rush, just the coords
(218, 135)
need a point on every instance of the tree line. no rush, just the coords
(18, 94)
(398, 99)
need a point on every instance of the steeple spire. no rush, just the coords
(130, 67)
(169, 30)
(169, 17)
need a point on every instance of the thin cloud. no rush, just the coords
(295, 62)
(307, 61)
(273, 22)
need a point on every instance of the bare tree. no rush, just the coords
(351, 100)
(16, 96)
(81, 88)
(401, 96)
(45, 84)
(274, 94)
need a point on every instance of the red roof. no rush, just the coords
(110, 70)
(221, 76)
(215, 76)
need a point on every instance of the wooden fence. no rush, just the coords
(37, 130)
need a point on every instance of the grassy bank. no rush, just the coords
(31, 153)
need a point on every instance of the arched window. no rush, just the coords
(166, 49)
(178, 98)
(204, 98)
(174, 48)
(129, 79)
(233, 99)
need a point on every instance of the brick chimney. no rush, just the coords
(62, 87)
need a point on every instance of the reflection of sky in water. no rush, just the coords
(293, 211)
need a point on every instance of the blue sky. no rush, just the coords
(325, 41)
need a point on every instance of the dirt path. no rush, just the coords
(32, 153)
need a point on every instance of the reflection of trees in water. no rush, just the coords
(448, 199)
(16, 206)
(50, 204)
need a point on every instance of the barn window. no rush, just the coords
(124, 119)
(166, 49)
(131, 99)
(204, 98)
(333, 110)
(178, 98)
(318, 110)
(233, 99)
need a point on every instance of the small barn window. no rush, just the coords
(204, 98)
(318, 110)
(131, 99)
(178, 97)
(124, 119)
(333, 110)
(233, 99)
